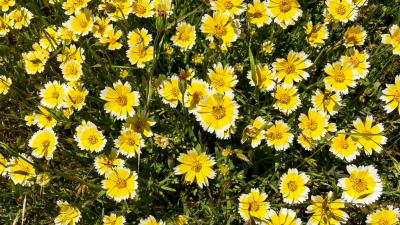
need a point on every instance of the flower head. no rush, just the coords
(21, 171)
(231, 7)
(143, 8)
(354, 36)
(326, 211)
(53, 94)
(106, 163)
(342, 10)
(185, 36)
(222, 78)
(113, 219)
(293, 186)
(89, 138)
(278, 135)
(283, 217)
(316, 34)
(287, 99)
(129, 143)
(388, 215)
(264, 78)
(255, 132)
(391, 95)
(220, 27)
(5, 84)
(120, 184)
(140, 123)
(291, 70)
(393, 38)
(67, 215)
(344, 147)
(257, 13)
(284, 12)
(370, 136)
(340, 77)
(151, 221)
(326, 101)
(314, 125)
(253, 205)
(43, 143)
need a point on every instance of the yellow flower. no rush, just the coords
(43, 179)
(185, 36)
(363, 186)
(278, 135)
(151, 221)
(34, 62)
(360, 3)
(344, 147)
(44, 118)
(285, 12)
(71, 6)
(30, 119)
(140, 55)
(340, 76)
(66, 35)
(6, 23)
(231, 7)
(140, 123)
(71, 70)
(284, 217)
(21, 17)
(198, 58)
(21, 170)
(326, 211)
(81, 23)
(195, 91)
(101, 26)
(264, 78)
(316, 34)
(253, 205)
(293, 187)
(388, 215)
(217, 113)
(326, 101)
(139, 37)
(120, 100)
(89, 138)
(143, 8)
(53, 94)
(306, 142)
(116, 9)
(371, 142)
(106, 163)
(257, 13)
(287, 99)
(267, 47)
(222, 78)
(161, 141)
(71, 53)
(113, 219)
(181, 220)
(67, 215)
(354, 36)
(221, 27)
(76, 97)
(129, 143)
(3, 165)
(6, 4)
(391, 95)
(255, 132)
(43, 143)
(120, 184)
(111, 38)
(358, 61)
(5, 84)
(163, 8)
(292, 69)
(314, 125)
(342, 10)
(49, 38)
(170, 92)
(393, 38)
(187, 74)
(196, 166)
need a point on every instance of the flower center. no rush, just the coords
(312, 125)
(292, 186)
(290, 68)
(55, 94)
(257, 14)
(184, 35)
(275, 135)
(283, 98)
(45, 144)
(122, 100)
(339, 76)
(93, 139)
(345, 145)
(228, 5)
(341, 10)
(384, 221)
(219, 30)
(285, 6)
(121, 183)
(251, 131)
(327, 102)
(131, 141)
(175, 91)
(196, 166)
(196, 97)
(355, 61)
(254, 206)
(218, 112)
(141, 9)
(397, 96)
(359, 184)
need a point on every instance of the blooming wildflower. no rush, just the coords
(101, 26)
(255, 132)
(6, 23)
(344, 147)
(121, 184)
(292, 187)
(391, 95)
(66, 35)
(140, 123)
(42, 179)
(43, 143)
(316, 34)
(326, 211)
(81, 23)
(49, 39)
(306, 142)
(354, 36)
(363, 186)
(89, 138)
(197, 166)
(21, 171)
(71, 70)
(71, 53)
(257, 13)
(161, 141)
(358, 61)
(111, 38)
(34, 62)
(267, 47)
(278, 135)
(3, 165)
(181, 220)
(106, 163)
(195, 91)
(388, 215)
(163, 8)
(342, 10)
(170, 92)
(30, 119)
(44, 118)
(283, 217)
(219, 26)
(222, 78)
(67, 215)
(314, 125)
(6, 4)
(340, 76)
(151, 221)
(113, 219)
(231, 7)
(129, 143)
(217, 112)
(143, 8)
(253, 205)
(71, 6)
(116, 9)
(139, 37)
(120, 100)
(186, 74)
(139, 55)
(185, 36)
(53, 94)
(76, 97)
(287, 99)
(292, 69)
(264, 78)
(326, 101)
(21, 17)
(393, 38)
(284, 12)
(198, 59)
(5, 84)
(371, 142)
